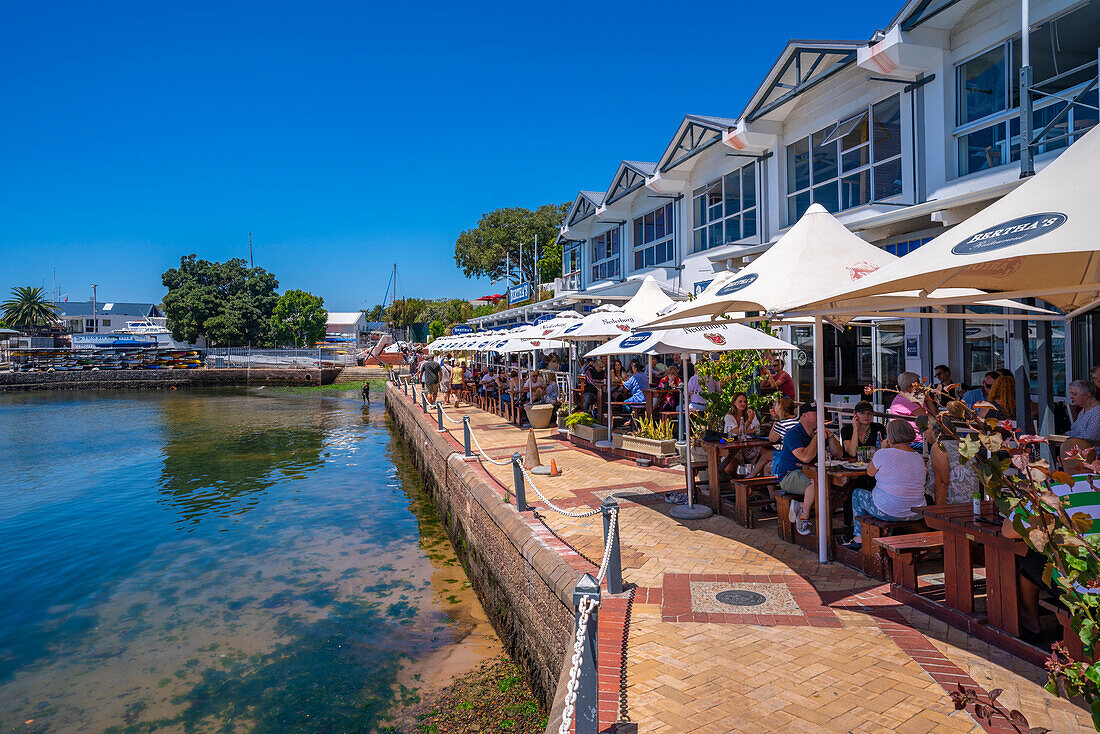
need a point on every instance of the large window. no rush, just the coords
(571, 258)
(849, 164)
(725, 211)
(987, 105)
(653, 238)
(605, 255)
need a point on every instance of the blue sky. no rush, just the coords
(345, 136)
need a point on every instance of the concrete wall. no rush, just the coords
(525, 587)
(161, 379)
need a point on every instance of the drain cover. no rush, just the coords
(740, 598)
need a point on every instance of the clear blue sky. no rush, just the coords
(344, 135)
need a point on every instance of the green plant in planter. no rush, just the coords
(580, 418)
(656, 430)
(734, 372)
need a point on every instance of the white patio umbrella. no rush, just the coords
(684, 341)
(1038, 241)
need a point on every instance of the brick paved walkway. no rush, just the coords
(826, 651)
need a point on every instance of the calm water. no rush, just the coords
(219, 561)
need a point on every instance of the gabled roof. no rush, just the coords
(107, 308)
(802, 66)
(584, 206)
(916, 12)
(695, 134)
(630, 175)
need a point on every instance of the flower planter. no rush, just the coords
(592, 434)
(539, 415)
(562, 415)
(648, 446)
(697, 454)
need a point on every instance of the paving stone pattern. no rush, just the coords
(831, 652)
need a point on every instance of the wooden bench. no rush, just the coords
(744, 503)
(870, 559)
(783, 512)
(904, 552)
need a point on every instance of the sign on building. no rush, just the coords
(460, 329)
(519, 293)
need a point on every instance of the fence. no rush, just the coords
(581, 700)
(238, 357)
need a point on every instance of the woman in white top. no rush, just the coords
(741, 421)
(899, 474)
(535, 387)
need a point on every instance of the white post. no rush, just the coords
(610, 419)
(1025, 46)
(687, 437)
(823, 513)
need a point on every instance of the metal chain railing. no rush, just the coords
(585, 608)
(486, 456)
(551, 505)
(439, 404)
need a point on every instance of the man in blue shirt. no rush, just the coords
(800, 446)
(981, 392)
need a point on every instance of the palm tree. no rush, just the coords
(28, 307)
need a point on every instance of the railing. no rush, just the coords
(581, 690)
(568, 282)
(311, 358)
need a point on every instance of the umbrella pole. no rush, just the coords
(610, 418)
(687, 439)
(824, 514)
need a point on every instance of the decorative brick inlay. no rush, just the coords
(777, 598)
(807, 611)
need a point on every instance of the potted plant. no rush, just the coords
(581, 425)
(539, 414)
(654, 438)
(563, 413)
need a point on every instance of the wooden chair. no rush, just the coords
(749, 496)
(903, 553)
(1070, 638)
(784, 526)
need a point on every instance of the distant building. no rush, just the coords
(347, 326)
(78, 317)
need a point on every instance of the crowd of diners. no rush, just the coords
(906, 469)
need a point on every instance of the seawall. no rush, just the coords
(161, 379)
(525, 586)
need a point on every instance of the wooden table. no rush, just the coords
(839, 480)
(715, 450)
(652, 393)
(961, 529)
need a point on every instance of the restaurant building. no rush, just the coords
(901, 136)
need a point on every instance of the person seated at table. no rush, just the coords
(864, 432)
(899, 474)
(634, 387)
(512, 393)
(488, 386)
(907, 405)
(741, 422)
(618, 377)
(1001, 402)
(785, 414)
(1084, 434)
(950, 480)
(534, 386)
(776, 379)
(671, 381)
(981, 392)
(800, 446)
(593, 381)
(696, 386)
(949, 390)
(553, 364)
(686, 370)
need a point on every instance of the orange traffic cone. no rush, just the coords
(554, 471)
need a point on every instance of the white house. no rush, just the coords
(346, 326)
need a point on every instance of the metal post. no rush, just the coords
(1017, 332)
(1027, 164)
(585, 712)
(614, 560)
(405, 387)
(1045, 388)
(517, 476)
(424, 401)
(412, 385)
(466, 435)
(439, 415)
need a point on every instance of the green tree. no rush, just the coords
(404, 312)
(486, 250)
(28, 308)
(299, 318)
(436, 329)
(223, 302)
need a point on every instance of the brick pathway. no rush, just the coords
(827, 650)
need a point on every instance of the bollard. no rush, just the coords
(423, 401)
(517, 475)
(405, 387)
(412, 386)
(585, 712)
(439, 415)
(466, 435)
(614, 561)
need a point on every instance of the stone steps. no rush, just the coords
(358, 374)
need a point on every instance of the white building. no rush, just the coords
(347, 325)
(901, 136)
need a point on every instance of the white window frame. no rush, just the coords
(702, 230)
(602, 266)
(667, 243)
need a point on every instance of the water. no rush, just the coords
(214, 561)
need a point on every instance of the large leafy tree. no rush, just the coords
(27, 308)
(487, 249)
(224, 302)
(299, 318)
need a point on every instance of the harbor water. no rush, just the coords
(229, 560)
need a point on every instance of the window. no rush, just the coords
(725, 211)
(571, 257)
(89, 325)
(653, 238)
(105, 322)
(904, 248)
(987, 104)
(854, 162)
(605, 255)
